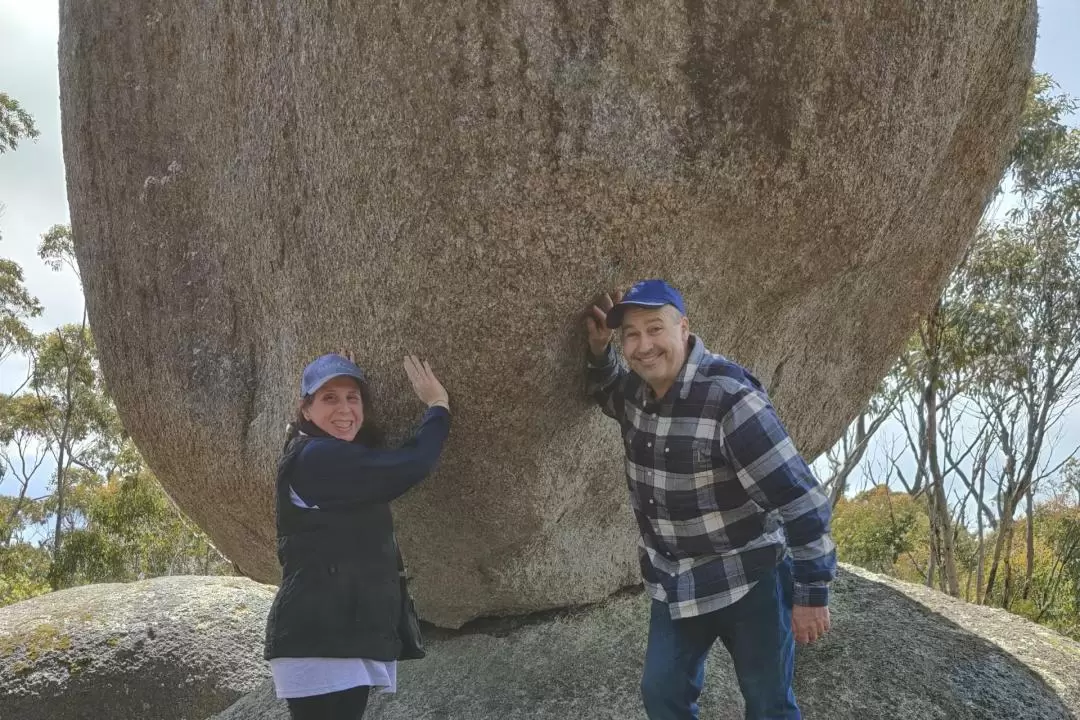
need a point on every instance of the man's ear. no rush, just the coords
(684, 323)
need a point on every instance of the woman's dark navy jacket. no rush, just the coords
(340, 595)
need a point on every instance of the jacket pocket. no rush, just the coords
(312, 602)
(376, 605)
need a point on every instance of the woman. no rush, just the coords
(332, 634)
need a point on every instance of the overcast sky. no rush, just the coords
(32, 178)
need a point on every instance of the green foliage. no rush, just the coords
(24, 569)
(67, 385)
(876, 528)
(57, 248)
(1042, 129)
(1023, 297)
(887, 532)
(1054, 593)
(130, 530)
(1045, 162)
(21, 415)
(16, 307)
(15, 124)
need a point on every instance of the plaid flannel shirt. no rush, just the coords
(716, 485)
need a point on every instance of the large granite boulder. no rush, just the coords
(897, 652)
(176, 648)
(251, 185)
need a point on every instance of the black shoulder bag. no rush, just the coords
(412, 642)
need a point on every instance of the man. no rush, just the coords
(727, 509)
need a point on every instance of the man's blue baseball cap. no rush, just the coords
(323, 369)
(646, 294)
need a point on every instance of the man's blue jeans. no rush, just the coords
(756, 630)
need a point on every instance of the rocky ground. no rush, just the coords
(172, 648)
(896, 651)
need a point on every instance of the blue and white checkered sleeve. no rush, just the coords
(603, 376)
(776, 477)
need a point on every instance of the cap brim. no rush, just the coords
(615, 315)
(323, 380)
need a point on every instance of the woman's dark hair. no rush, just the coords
(370, 433)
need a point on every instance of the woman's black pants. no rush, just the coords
(344, 705)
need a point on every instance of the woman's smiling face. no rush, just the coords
(337, 408)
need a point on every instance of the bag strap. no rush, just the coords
(400, 560)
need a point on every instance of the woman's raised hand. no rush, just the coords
(425, 384)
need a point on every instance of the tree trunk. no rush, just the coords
(852, 458)
(1007, 586)
(931, 563)
(63, 459)
(1029, 558)
(61, 481)
(980, 553)
(980, 565)
(1004, 531)
(938, 504)
(946, 547)
(837, 491)
(934, 558)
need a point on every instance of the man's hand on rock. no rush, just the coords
(809, 623)
(596, 322)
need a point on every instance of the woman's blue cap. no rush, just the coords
(323, 369)
(646, 294)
